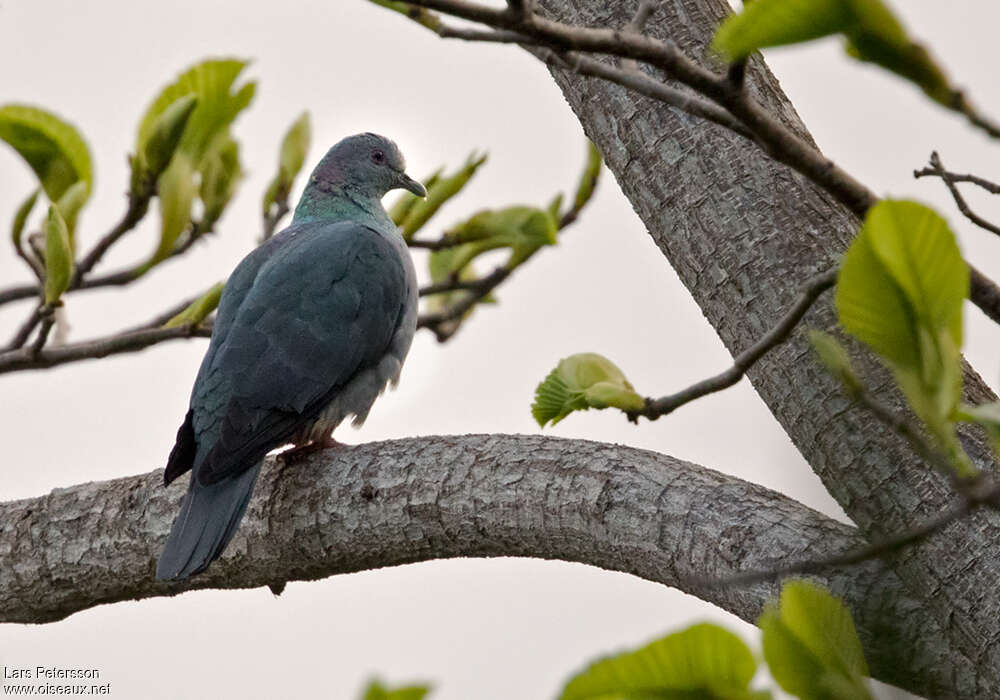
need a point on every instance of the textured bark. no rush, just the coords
(743, 231)
(381, 504)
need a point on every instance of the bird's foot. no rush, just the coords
(294, 454)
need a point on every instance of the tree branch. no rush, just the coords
(778, 334)
(937, 169)
(128, 341)
(384, 504)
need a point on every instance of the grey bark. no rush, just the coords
(381, 504)
(743, 231)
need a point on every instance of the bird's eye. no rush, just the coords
(378, 156)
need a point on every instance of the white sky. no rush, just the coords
(502, 628)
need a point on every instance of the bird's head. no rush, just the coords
(366, 163)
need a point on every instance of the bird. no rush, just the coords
(311, 327)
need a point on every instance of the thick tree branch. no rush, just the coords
(383, 504)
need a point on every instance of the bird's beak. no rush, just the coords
(408, 183)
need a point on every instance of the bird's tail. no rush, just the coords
(207, 521)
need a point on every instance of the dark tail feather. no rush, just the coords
(208, 520)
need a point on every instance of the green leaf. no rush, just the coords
(872, 32)
(221, 174)
(419, 15)
(54, 149)
(199, 309)
(21, 218)
(177, 190)
(780, 22)
(583, 381)
(213, 83)
(921, 254)
(444, 189)
(70, 204)
(165, 134)
(701, 662)
(834, 357)
(900, 290)
(523, 229)
(58, 256)
(812, 647)
(291, 156)
(555, 207)
(377, 691)
(872, 306)
(588, 179)
(824, 625)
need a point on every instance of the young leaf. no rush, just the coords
(53, 148)
(872, 32)
(834, 357)
(872, 306)
(811, 646)
(703, 661)
(212, 82)
(920, 252)
(583, 381)
(177, 190)
(70, 204)
(588, 179)
(291, 156)
(522, 229)
(20, 218)
(377, 691)
(199, 309)
(444, 189)
(58, 256)
(824, 625)
(780, 22)
(165, 135)
(221, 173)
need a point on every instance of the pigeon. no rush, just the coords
(312, 326)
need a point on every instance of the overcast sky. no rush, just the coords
(500, 628)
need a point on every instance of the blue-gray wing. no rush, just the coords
(323, 303)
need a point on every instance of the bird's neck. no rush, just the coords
(337, 202)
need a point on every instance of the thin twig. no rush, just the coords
(988, 185)
(778, 334)
(24, 331)
(24, 358)
(273, 218)
(138, 205)
(48, 320)
(776, 139)
(635, 26)
(984, 493)
(439, 244)
(441, 322)
(645, 85)
(937, 169)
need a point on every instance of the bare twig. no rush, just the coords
(439, 244)
(138, 205)
(643, 84)
(25, 358)
(769, 133)
(988, 185)
(937, 169)
(24, 331)
(984, 492)
(273, 217)
(778, 334)
(635, 26)
(442, 322)
(48, 320)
